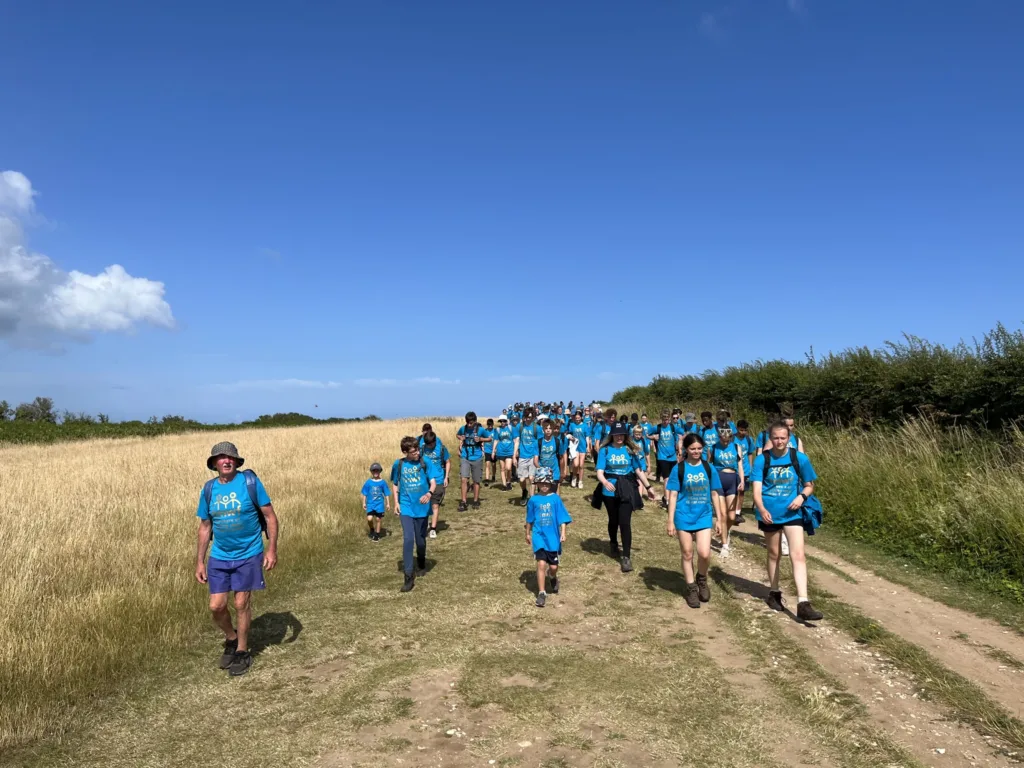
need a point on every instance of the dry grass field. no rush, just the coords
(98, 548)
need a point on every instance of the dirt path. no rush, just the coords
(958, 639)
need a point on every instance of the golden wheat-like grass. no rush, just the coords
(98, 543)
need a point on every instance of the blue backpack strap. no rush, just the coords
(250, 486)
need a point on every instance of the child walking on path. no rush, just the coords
(375, 495)
(546, 518)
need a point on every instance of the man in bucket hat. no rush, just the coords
(234, 509)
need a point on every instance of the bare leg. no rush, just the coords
(243, 614)
(465, 487)
(703, 551)
(797, 556)
(542, 572)
(476, 491)
(221, 617)
(728, 518)
(771, 539)
(686, 548)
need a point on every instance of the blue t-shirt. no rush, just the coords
(438, 458)
(598, 431)
(649, 428)
(782, 486)
(694, 509)
(529, 436)
(236, 522)
(709, 435)
(413, 480)
(546, 513)
(666, 442)
(726, 457)
(746, 445)
(375, 491)
(581, 432)
(503, 445)
(548, 452)
(472, 445)
(616, 462)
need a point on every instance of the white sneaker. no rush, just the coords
(433, 533)
(785, 546)
(725, 552)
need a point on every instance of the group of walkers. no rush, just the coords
(705, 469)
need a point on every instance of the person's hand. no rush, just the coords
(270, 559)
(609, 486)
(528, 539)
(201, 573)
(650, 493)
(562, 538)
(741, 485)
(425, 498)
(670, 529)
(796, 503)
(446, 481)
(398, 512)
(766, 516)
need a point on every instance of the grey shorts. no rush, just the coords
(472, 469)
(526, 469)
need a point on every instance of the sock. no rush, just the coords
(802, 600)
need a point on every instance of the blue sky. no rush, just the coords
(424, 207)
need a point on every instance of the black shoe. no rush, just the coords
(627, 564)
(523, 502)
(554, 586)
(410, 582)
(807, 612)
(462, 506)
(692, 596)
(475, 504)
(774, 600)
(541, 598)
(375, 537)
(371, 535)
(740, 520)
(702, 589)
(230, 649)
(240, 663)
(663, 504)
(421, 566)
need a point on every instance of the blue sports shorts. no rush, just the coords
(235, 575)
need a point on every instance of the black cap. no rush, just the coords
(619, 429)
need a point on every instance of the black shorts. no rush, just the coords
(771, 527)
(491, 459)
(665, 468)
(549, 557)
(438, 495)
(374, 513)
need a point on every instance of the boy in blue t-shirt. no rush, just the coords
(414, 482)
(375, 496)
(546, 518)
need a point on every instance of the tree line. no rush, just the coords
(39, 421)
(979, 384)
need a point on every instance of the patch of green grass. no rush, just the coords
(837, 717)
(964, 700)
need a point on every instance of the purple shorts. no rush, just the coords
(235, 575)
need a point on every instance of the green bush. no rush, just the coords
(979, 385)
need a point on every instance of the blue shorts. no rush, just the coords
(235, 575)
(730, 482)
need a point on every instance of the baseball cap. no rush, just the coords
(619, 429)
(375, 467)
(691, 418)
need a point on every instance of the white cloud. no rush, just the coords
(277, 384)
(403, 382)
(40, 303)
(709, 26)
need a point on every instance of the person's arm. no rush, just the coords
(801, 497)
(515, 449)
(202, 544)
(673, 499)
(270, 556)
(561, 533)
(716, 503)
(800, 445)
(529, 533)
(398, 510)
(362, 498)
(447, 470)
(766, 516)
(739, 468)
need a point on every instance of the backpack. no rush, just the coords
(811, 510)
(250, 487)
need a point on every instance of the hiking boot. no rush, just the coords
(462, 506)
(554, 585)
(774, 600)
(410, 582)
(421, 566)
(374, 537)
(433, 533)
(370, 534)
(240, 663)
(541, 599)
(739, 519)
(627, 564)
(807, 612)
(230, 649)
(663, 503)
(692, 596)
(724, 552)
(475, 504)
(703, 591)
